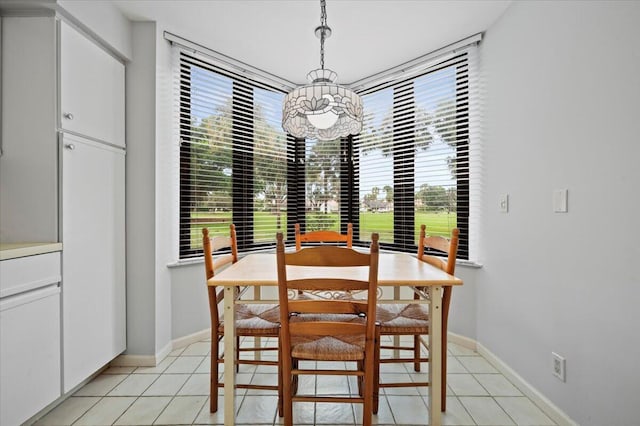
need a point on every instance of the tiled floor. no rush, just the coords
(176, 392)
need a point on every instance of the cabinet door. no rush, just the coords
(30, 353)
(93, 257)
(92, 89)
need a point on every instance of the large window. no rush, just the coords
(409, 166)
(412, 157)
(233, 157)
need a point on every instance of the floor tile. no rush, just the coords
(459, 350)
(269, 380)
(134, 385)
(399, 378)
(184, 365)
(197, 349)
(408, 409)
(485, 411)
(167, 385)
(101, 385)
(106, 411)
(330, 385)
(384, 416)
(258, 409)
(144, 411)
(197, 384)
(332, 413)
(454, 366)
(476, 364)
(204, 367)
(523, 411)
(177, 352)
(497, 385)
(181, 410)
(303, 414)
(69, 411)
(456, 414)
(158, 369)
(206, 418)
(465, 385)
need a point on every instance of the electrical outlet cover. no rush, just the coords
(559, 364)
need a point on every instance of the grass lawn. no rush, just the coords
(265, 225)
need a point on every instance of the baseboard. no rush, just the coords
(191, 338)
(549, 408)
(462, 341)
(126, 360)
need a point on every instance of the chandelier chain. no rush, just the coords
(323, 24)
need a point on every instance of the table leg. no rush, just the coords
(435, 354)
(229, 356)
(257, 295)
(396, 339)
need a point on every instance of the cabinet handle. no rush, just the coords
(70, 146)
(68, 115)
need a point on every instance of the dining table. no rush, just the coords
(394, 270)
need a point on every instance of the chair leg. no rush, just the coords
(213, 373)
(376, 376)
(287, 394)
(280, 384)
(416, 354)
(237, 353)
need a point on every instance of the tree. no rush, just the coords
(388, 191)
(432, 198)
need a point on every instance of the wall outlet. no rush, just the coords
(559, 364)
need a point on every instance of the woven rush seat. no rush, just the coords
(256, 319)
(321, 348)
(403, 318)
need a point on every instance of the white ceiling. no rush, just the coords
(277, 36)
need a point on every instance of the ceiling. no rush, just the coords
(277, 36)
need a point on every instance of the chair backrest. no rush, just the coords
(210, 245)
(441, 244)
(324, 236)
(324, 259)
(448, 265)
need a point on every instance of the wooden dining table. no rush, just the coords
(395, 270)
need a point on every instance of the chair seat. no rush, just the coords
(322, 348)
(256, 320)
(401, 318)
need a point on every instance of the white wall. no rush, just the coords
(562, 98)
(142, 305)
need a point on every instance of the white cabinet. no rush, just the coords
(91, 89)
(93, 258)
(29, 336)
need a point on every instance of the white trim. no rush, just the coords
(462, 341)
(241, 67)
(126, 360)
(549, 408)
(406, 69)
(191, 338)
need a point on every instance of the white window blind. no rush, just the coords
(233, 155)
(322, 185)
(412, 157)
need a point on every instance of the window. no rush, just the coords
(412, 157)
(233, 157)
(409, 166)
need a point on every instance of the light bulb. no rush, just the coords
(324, 120)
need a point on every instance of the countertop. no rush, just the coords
(13, 250)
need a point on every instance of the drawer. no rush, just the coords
(27, 273)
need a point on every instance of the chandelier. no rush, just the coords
(322, 109)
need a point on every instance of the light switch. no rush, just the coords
(560, 201)
(504, 203)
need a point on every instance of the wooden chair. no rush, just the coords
(252, 320)
(327, 330)
(413, 319)
(324, 236)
